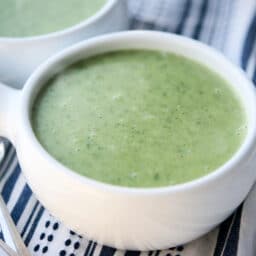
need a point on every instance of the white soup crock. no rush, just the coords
(131, 218)
(20, 56)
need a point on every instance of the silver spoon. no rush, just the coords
(5, 250)
(11, 235)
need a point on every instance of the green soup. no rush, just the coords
(139, 119)
(20, 18)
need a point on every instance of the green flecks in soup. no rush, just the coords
(20, 18)
(139, 119)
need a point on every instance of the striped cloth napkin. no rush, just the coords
(227, 25)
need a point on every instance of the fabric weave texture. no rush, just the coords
(227, 25)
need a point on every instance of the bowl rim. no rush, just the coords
(104, 9)
(241, 155)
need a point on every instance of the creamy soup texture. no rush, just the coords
(21, 18)
(139, 118)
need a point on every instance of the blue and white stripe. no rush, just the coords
(214, 22)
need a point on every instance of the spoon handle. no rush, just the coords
(11, 235)
(5, 250)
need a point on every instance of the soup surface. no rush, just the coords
(139, 119)
(21, 18)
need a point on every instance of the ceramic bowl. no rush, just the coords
(20, 56)
(131, 218)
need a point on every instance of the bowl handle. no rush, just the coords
(9, 102)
